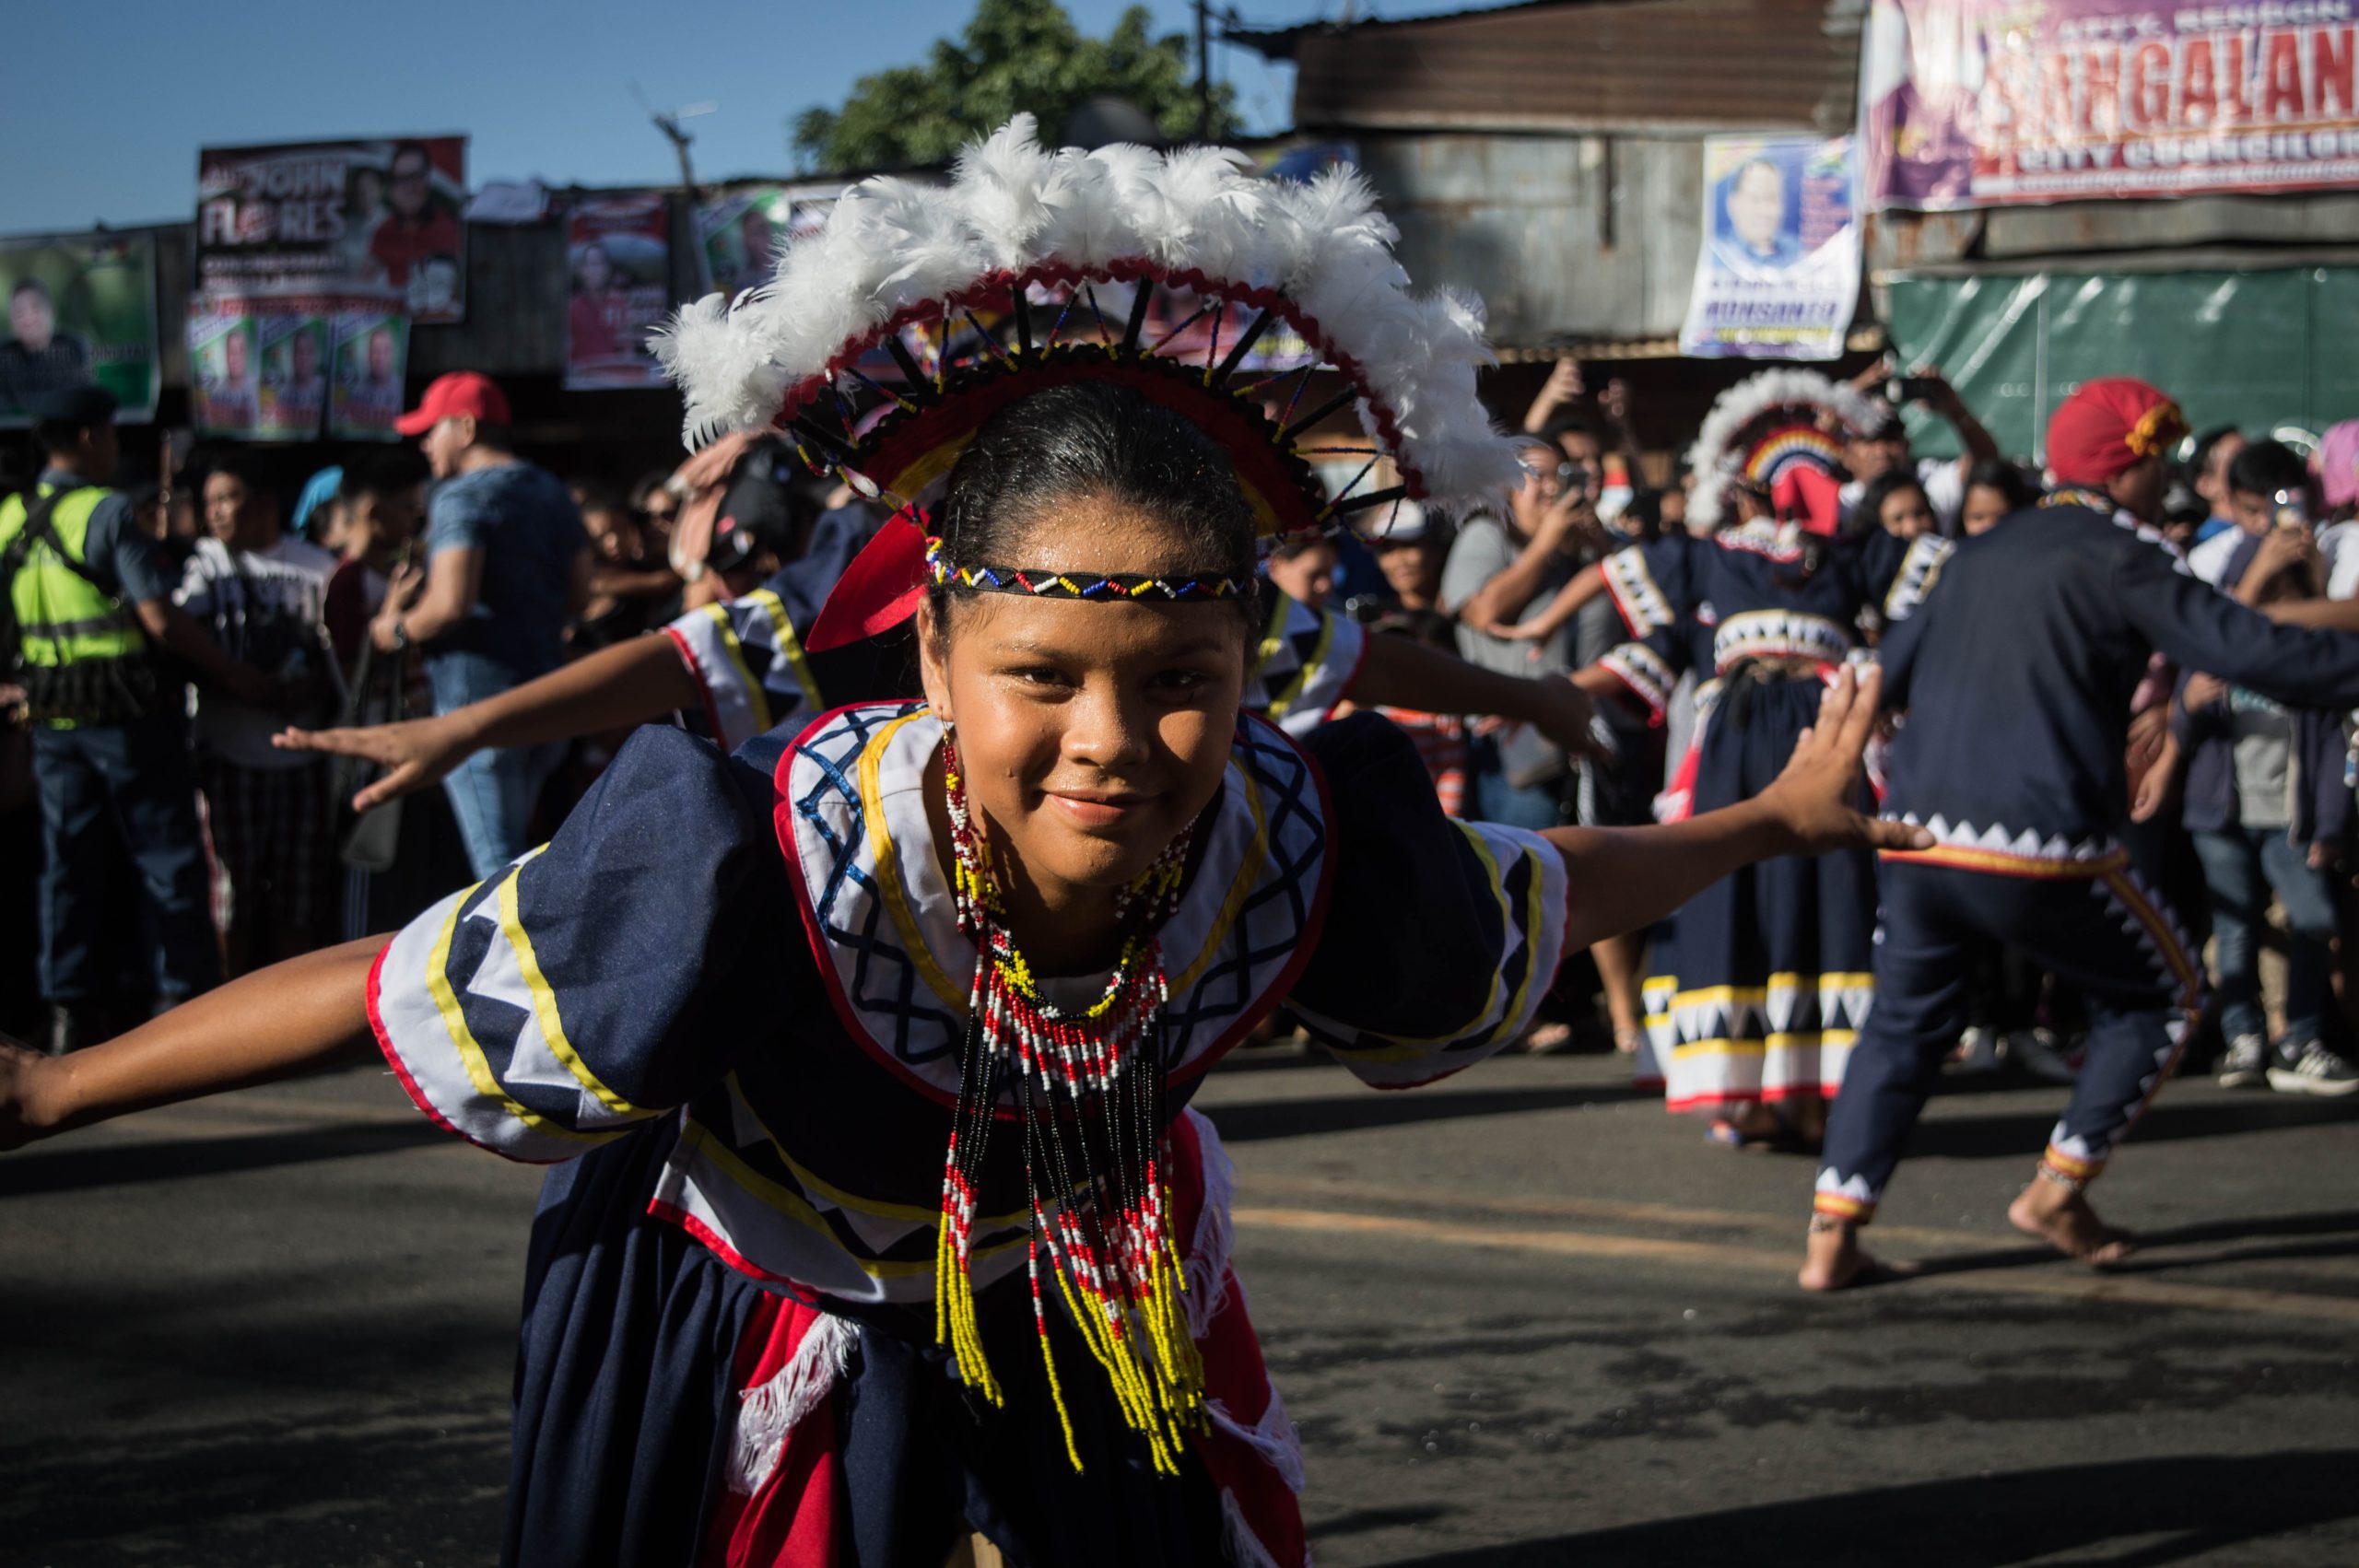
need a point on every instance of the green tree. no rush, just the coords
(1015, 54)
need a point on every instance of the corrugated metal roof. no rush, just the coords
(1582, 66)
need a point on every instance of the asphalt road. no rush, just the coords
(1522, 1317)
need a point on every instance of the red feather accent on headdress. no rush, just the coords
(1810, 497)
(880, 589)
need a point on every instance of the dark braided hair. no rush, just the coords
(1095, 439)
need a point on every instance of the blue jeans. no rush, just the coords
(1492, 799)
(132, 784)
(492, 793)
(2240, 867)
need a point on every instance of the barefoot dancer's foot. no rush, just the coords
(1834, 1259)
(2062, 1217)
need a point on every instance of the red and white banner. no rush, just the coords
(1967, 103)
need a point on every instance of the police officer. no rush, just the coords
(91, 595)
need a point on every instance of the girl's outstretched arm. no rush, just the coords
(290, 1019)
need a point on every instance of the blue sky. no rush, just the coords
(118, 95)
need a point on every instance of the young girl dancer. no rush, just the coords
(864, 1054)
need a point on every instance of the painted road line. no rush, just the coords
(2026, 1282)
(1603, 1208)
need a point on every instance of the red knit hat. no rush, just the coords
(2108, 426)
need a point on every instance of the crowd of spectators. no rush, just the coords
(424, 581)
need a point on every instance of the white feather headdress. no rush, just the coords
(1315, 255)
(1752, 408)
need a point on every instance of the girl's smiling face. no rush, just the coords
(1090, 733)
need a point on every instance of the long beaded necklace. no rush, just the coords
(1087, 1088)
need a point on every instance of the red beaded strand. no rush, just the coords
(1088, 1091)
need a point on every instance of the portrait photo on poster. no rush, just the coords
(1758, 207)
(618, 259)
(81, 311)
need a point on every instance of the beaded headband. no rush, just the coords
(1039, 584)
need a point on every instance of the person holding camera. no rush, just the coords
(1883, 448)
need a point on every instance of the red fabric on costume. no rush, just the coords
(880, 589)
(1235, 1377)
(2107, 426)
(791, 1522)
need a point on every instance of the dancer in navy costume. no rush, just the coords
(1755, 996)
(774, 1309)
(2016, 676)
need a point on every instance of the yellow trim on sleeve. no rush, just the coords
(789, 646)
(463, 1040)
(544, 1007)
(730, 645)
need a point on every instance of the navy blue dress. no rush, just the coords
(1763, 983)
(728, 1002)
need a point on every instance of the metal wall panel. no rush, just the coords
(1639, 65)
(1563, 237)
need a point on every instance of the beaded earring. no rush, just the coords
(1087, 1088)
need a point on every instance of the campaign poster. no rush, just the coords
(315, 216)
(1969, 103)
(371, 352)
(81, 311)
(1777, 275)
(225, 396)
(619, 255)
(741, 233)
(293, 349)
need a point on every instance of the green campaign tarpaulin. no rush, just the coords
(2253, 348)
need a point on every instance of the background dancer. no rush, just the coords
(1754, 999)
(2016, 676)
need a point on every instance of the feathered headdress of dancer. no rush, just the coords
(941, 305)
(1780, 433)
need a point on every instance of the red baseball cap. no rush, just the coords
(462, 395)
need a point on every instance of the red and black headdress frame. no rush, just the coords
(1256, 307)
(1779, 434)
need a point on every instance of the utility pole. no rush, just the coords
(668, 122)
(1203, 71)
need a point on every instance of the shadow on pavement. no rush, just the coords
(2108, 1516)
(1245, 1122)
(113, 1164)
(417, 1487)
(2020, 1135)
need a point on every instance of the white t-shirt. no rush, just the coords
(262, 606)
(2210, 559)
(1943, 479)
(2339, 544)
